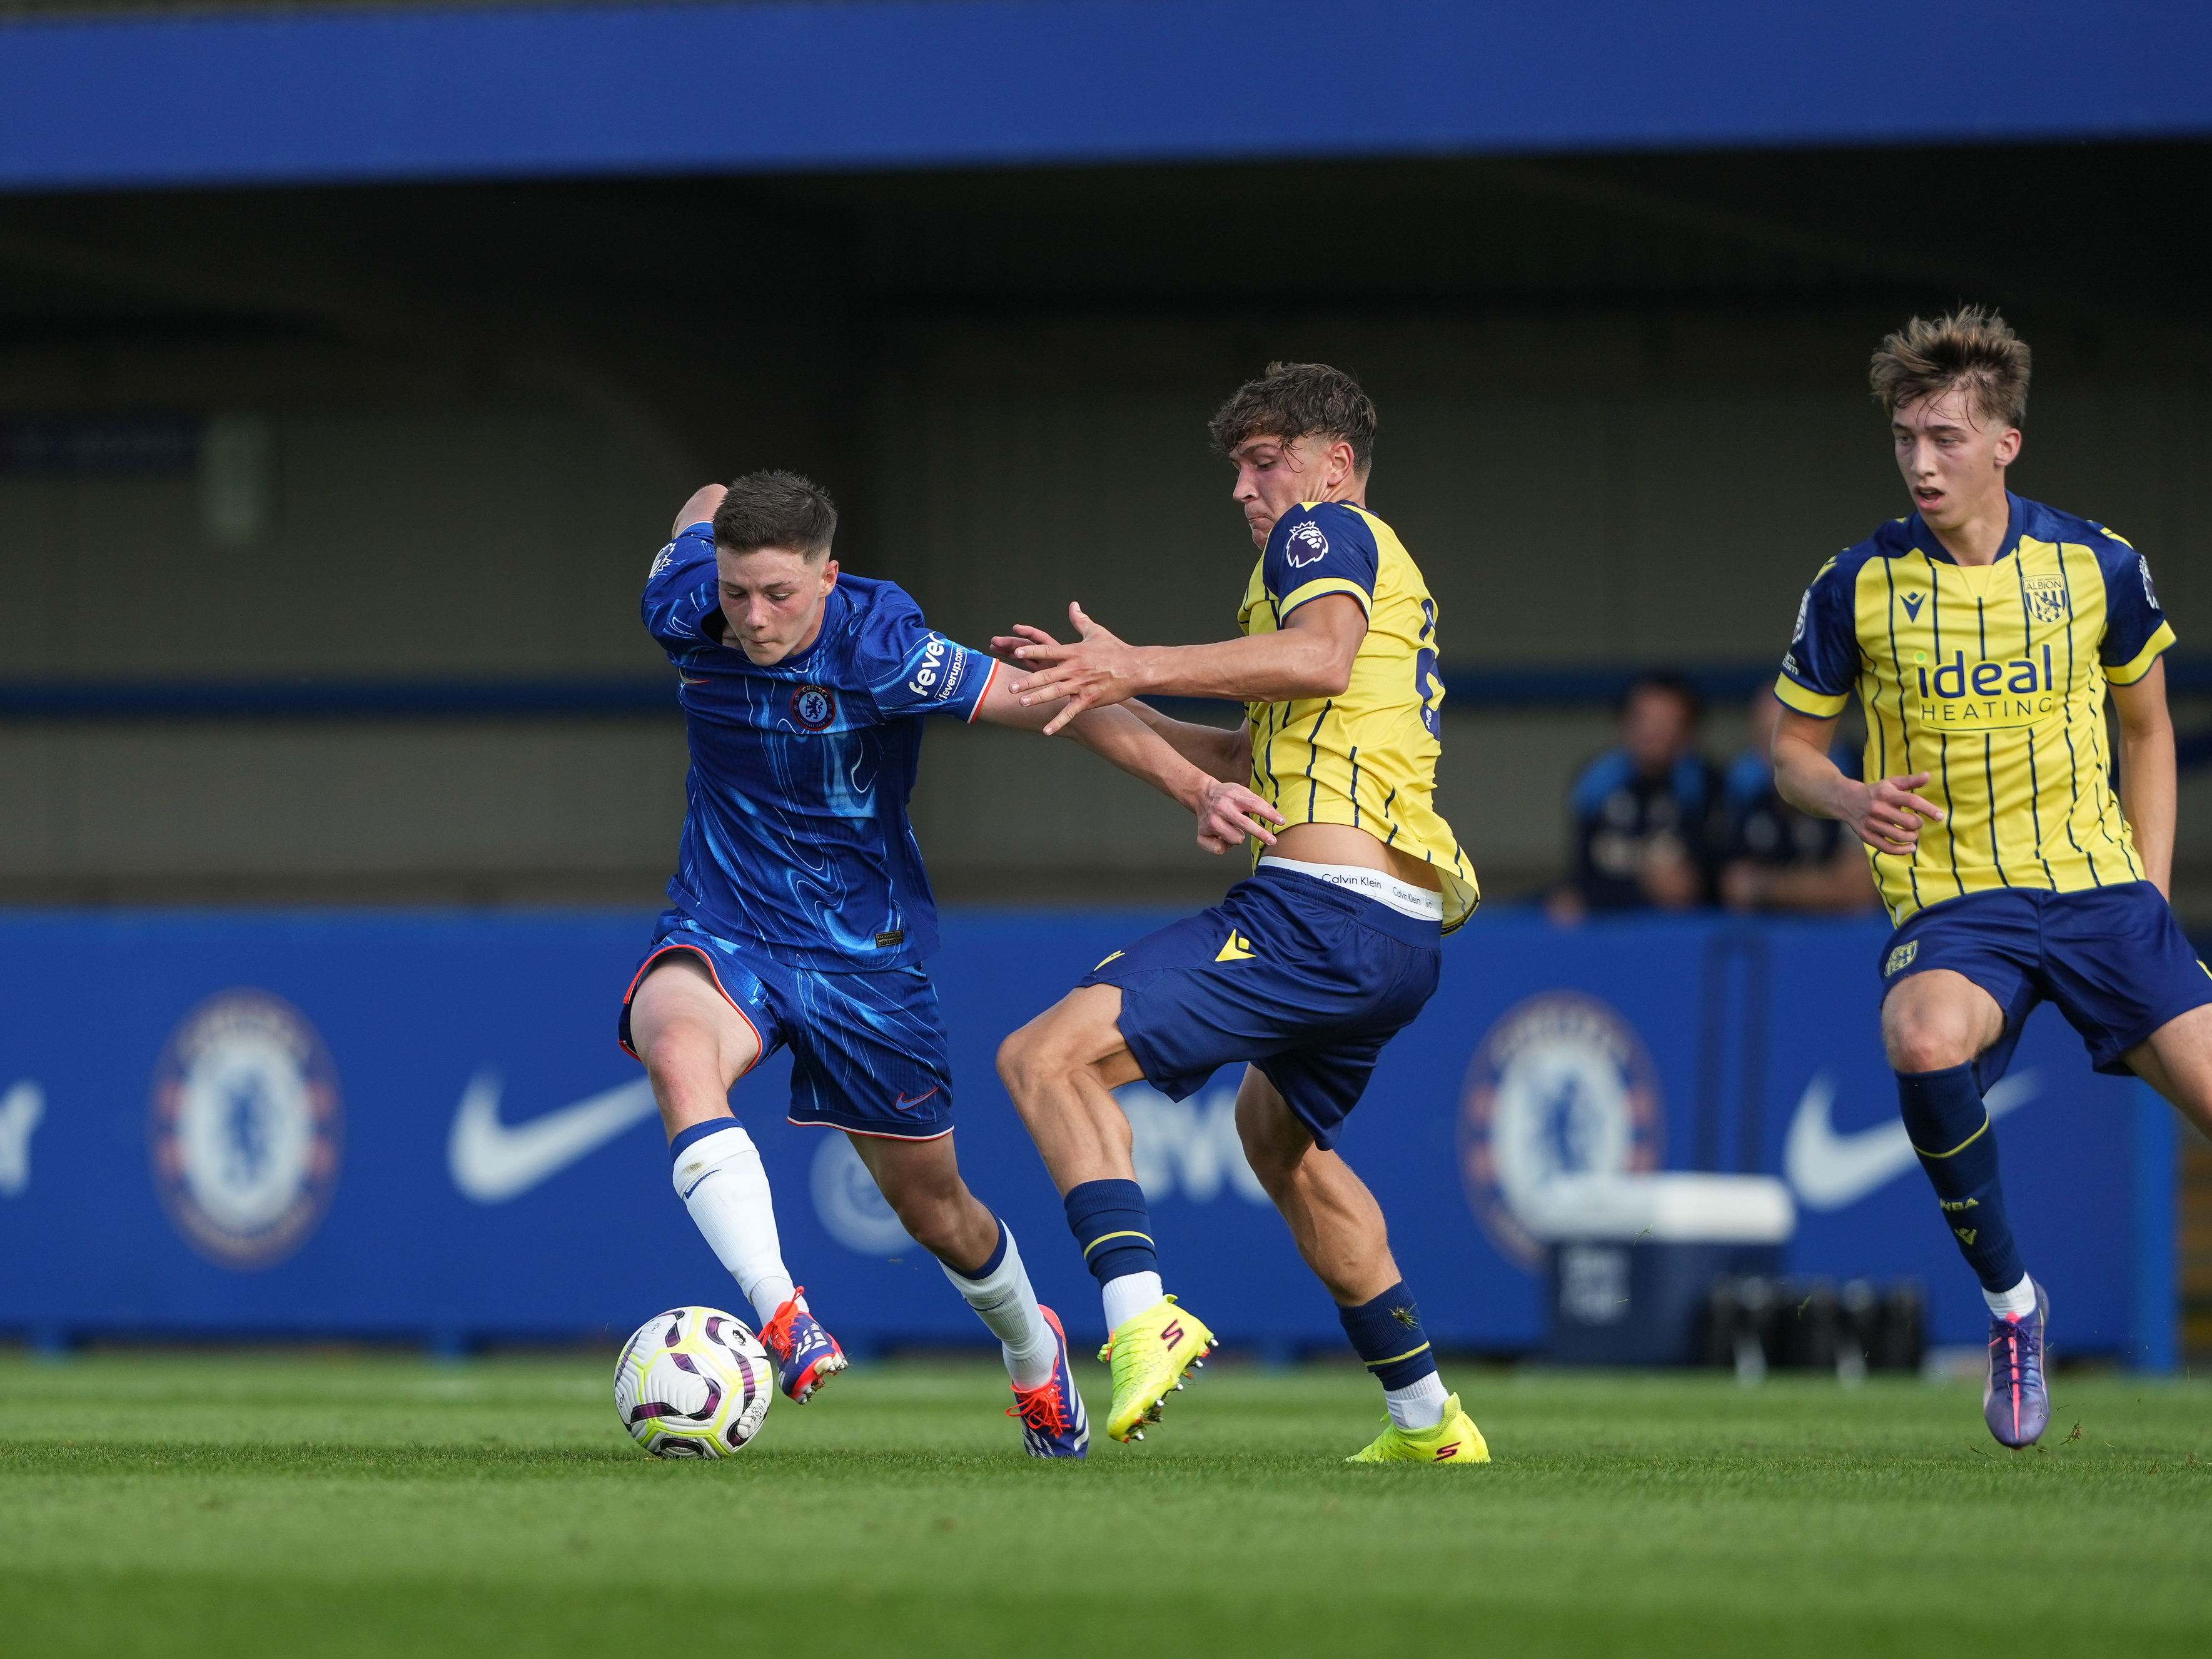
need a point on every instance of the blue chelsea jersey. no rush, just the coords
(795, 828)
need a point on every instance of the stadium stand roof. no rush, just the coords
(313, 93)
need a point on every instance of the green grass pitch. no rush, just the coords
(249, 1504)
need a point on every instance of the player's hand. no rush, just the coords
(1228, 812)
(1004, 646)
(1887, 814)
(1096, 671)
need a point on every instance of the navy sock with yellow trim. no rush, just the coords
(1950, 1129)
(1388, 1335)
(1110, 1221)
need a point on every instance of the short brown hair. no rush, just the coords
(1298, 400)
(1973, 347)
(776, 509)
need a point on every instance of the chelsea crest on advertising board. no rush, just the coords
(1561, 1086)
(246, 1129)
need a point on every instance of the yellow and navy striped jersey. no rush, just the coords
(1367, 758)
(1991, 679)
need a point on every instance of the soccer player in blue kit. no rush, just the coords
(1981, 634)
(1307, 970)
(801, 912)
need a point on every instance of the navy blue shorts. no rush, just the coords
(1301, 979)
(2113, 959)
(868, 1052)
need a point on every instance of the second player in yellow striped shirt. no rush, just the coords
(1983, 634)
(1990, 678)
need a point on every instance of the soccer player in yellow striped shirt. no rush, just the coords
(1304, 972)
(1981, 634)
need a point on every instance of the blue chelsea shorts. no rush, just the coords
(2113, 959)
(868, 1050)
(1298, 978)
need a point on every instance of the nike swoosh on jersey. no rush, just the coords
(1828, 1171)
(492, 1162)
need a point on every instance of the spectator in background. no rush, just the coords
(1644, 814)
(1779, 858)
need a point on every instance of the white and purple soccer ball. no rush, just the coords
(693, 1382)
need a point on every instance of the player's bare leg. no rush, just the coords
(920, 1181)
(1338, 1224)
(2176, 1059)
(1934, 1024)
(1061, 1069)
(1938, 1019)
(1341, 1234)
(695, 1046)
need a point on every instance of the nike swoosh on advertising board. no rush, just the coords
(492, 1162)
(1828, 1171)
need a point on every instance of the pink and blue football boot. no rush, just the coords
(2015, 1403)
(1054, 1422)
(806, 1356)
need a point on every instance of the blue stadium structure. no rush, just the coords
(475, 93)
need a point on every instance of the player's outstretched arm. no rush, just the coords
(2147, 771)
(1226, 811)
(1225, 752)
(1886, 815)
(1310, 656)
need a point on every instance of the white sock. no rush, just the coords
(1418, 1406)
(2020, 1299)
(720, 1179)
(1003, 1300)
(1127, 1296)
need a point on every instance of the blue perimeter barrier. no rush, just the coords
(470, 1157)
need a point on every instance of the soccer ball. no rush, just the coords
(693, 1382)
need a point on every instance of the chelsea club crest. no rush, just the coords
(1561, 1086)
(813, 707)
(246, 1129)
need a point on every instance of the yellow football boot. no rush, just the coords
(1151, 1354)
(1454, 1440)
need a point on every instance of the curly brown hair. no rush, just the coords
(1973, 347)
(1298, 400)
(776, 509)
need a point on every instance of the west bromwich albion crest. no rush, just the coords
(2046, 598)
